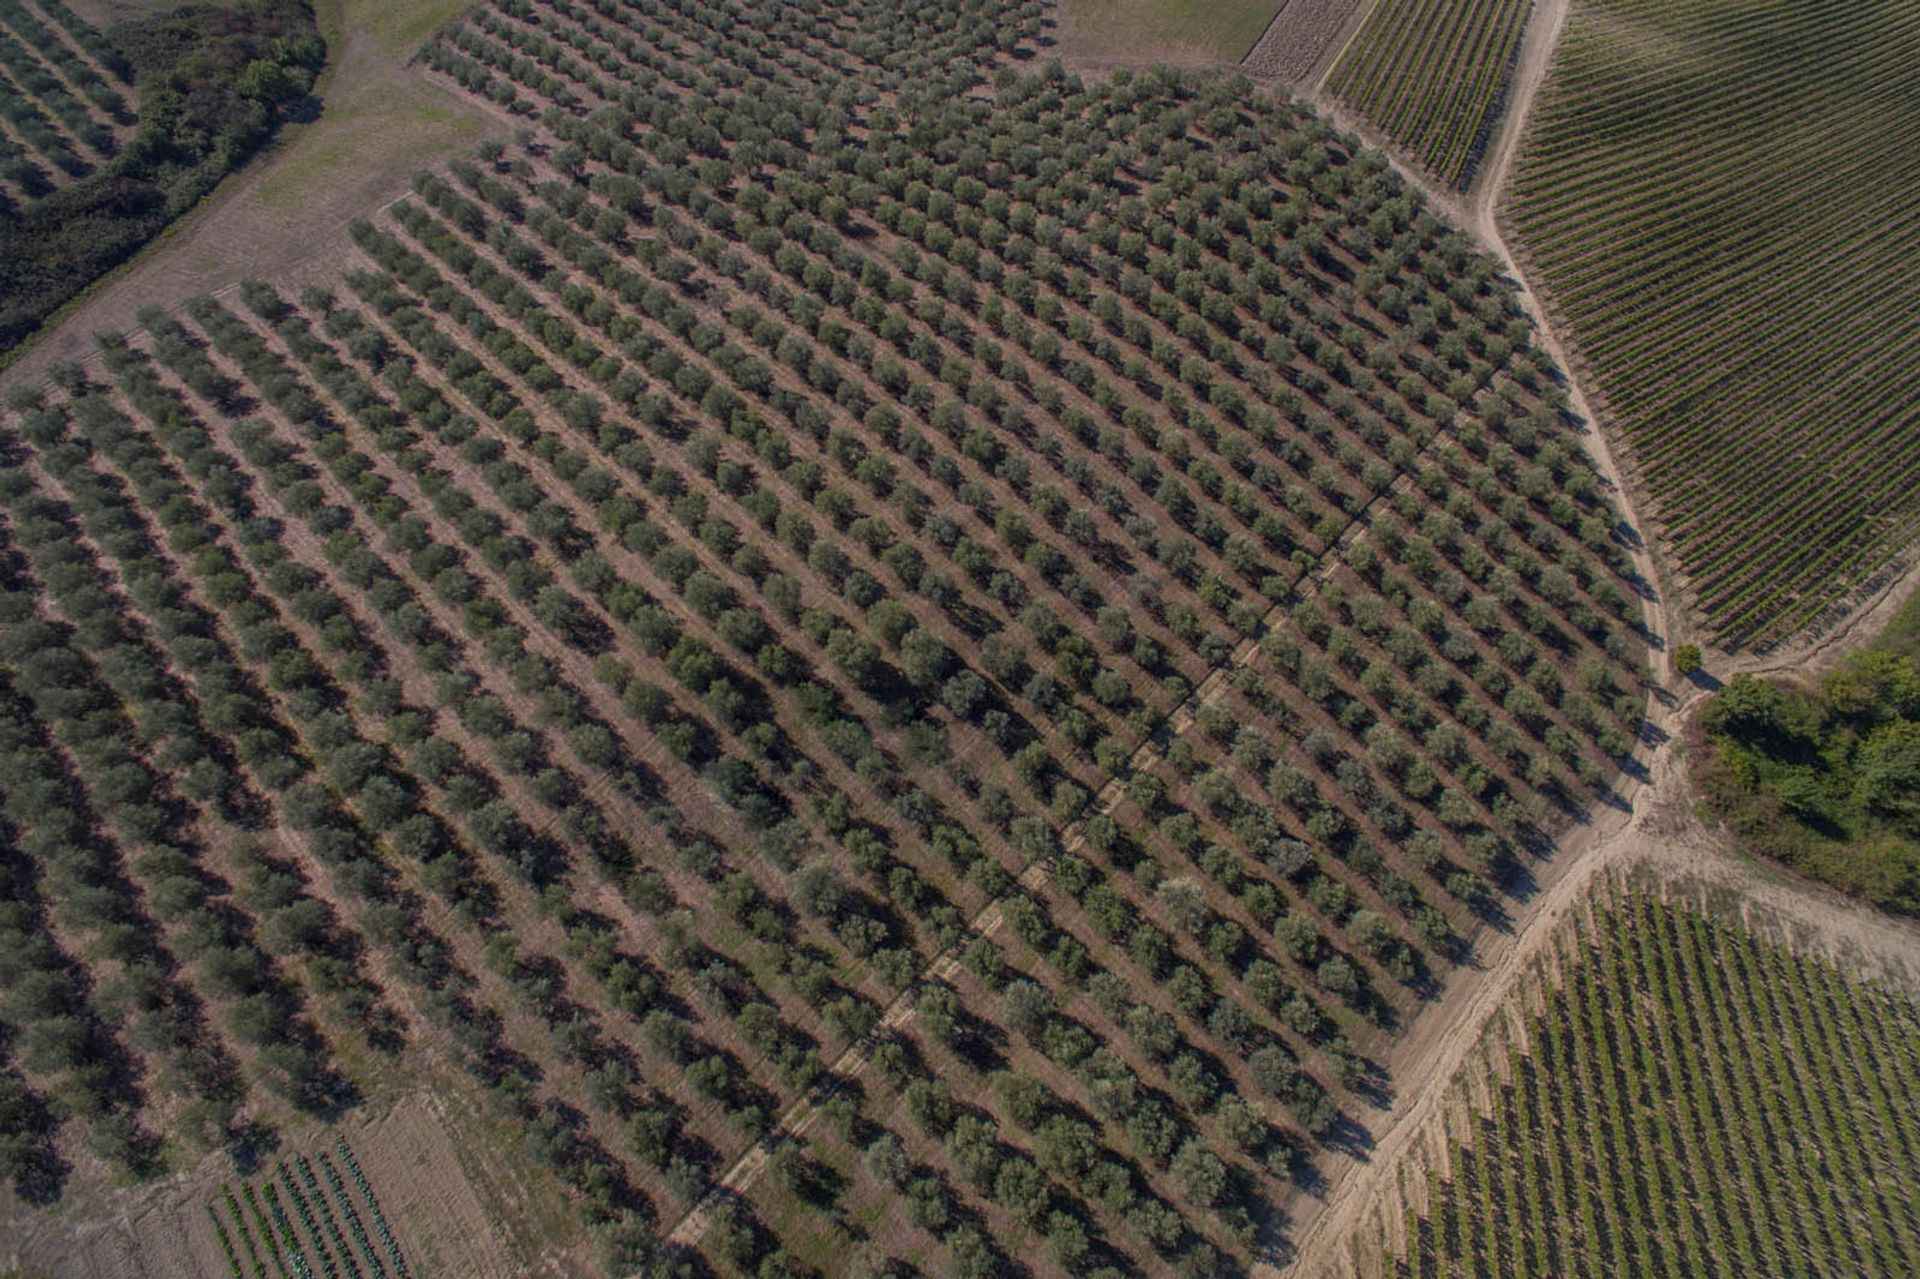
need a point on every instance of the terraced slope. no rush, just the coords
(1719, 202)
(1695, 1102)
(1431, 74)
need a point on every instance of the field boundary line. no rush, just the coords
(1316, 81)
(1533, 57)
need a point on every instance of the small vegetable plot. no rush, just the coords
(307, 1218)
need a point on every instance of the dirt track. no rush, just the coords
(1658, 838)
(1541, 38)
(1655, 833)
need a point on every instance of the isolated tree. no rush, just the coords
(1198, 1172)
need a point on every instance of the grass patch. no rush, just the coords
(1902, 635)
(395, 29)
(359, 146)
(367, 132)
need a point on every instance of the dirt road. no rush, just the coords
(1537, 43)
(1656, 837)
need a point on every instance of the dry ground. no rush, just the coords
(1181, 32)
(283, 218)
(1302, 43)
(445, 1201)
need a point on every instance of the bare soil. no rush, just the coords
(444, 1223)
(1304, 40)
(1179, 32)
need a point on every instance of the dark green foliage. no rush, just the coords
(212, 81)
(1828, 780)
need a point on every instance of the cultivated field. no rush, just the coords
(1738, 269)
(393, 1193)
(1176, 31)
(1689, 1101)
(309, 1216)
(1432, 75)
(1303, 39)
(780, 627)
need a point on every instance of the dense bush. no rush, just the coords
(1826, 779)
(213, 81)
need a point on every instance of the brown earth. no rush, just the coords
(1182, 33)
(443, 1218)
(1305, 39)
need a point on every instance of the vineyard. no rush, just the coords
(1693, 1102)
(897, 657)
(1740, 329)
(303, 1224)
(1432, 74)
(65, 99)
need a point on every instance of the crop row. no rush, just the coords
(771, 621)
(1737, 1099)
(564, 342)
(61, 107)
(1728, 324)
(262, 1242)
(1433, 75)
